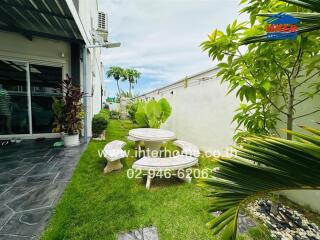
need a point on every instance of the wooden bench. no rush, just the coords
(113, 153)
(176, 163)
(187, 148)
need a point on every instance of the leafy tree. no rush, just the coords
(132, 77)
(117, 73)
(267, 76)
(283, 165)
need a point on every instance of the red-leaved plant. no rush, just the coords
(68, 110)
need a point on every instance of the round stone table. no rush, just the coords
(153, 138)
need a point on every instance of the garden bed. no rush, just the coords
(98, 206)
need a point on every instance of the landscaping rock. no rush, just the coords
(287, 224)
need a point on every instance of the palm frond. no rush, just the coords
(261, 165)
(264, 38)
(303, 17)
(309, 4)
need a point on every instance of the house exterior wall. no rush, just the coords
(18, 47)
(41, 51)
(201, 111)
(88, 14)
(15, 46)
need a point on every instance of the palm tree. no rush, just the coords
(311, 21)
(117, 73)
(261, 165)
(132, 76)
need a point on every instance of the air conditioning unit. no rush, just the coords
(103, 26)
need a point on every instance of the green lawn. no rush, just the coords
(98, 206)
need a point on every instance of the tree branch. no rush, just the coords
(307, 114)
(306, 80)
(275, 106)
(282, 92)
(287, 74)
(306, 98)
(296, 62)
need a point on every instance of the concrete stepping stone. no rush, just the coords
(148, 233)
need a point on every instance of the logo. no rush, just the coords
(282, 26)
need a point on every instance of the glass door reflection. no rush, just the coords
(14, 118)
(45, 82)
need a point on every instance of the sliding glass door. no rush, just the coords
(14, 118)
(45, 84)
(26, 92)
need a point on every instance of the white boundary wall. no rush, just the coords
(202, 114)
(201, 110)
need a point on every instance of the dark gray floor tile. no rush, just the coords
(37, 198)
(7, 178)
(43, 178)
(15, 192)
(27, 224)
(14, 237)
(4, 188)
(5, 214)
(33, 176)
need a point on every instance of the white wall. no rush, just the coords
(88, 13)
(201, 112)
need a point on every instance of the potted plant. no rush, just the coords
(68, 113)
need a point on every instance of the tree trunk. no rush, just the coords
(290, 116)
(130, 89)
(118, 87)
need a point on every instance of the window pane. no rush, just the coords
(45, 83)
(13, 98)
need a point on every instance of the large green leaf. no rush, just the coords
(261, 165)
(140, 115)
(165, 108)
(153, 113)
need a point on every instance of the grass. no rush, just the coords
(98, 206)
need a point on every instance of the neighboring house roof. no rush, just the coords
(282, 18)
(45, 18)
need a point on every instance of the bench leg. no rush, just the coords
(185, 177)
(112, 166)
(149, 178)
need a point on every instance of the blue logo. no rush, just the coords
(282, 26)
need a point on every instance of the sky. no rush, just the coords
(161, 38)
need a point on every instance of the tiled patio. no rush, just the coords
(33, 176)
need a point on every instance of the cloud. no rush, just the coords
(161, 38)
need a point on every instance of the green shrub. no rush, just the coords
(153, 113)
(100, 122)
(132, 109)
(114, 114)
(105, 112)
